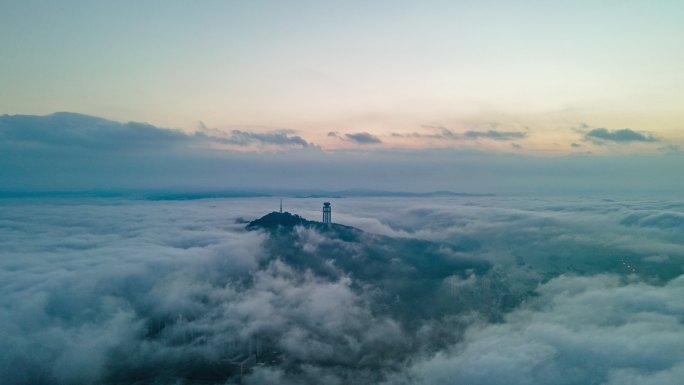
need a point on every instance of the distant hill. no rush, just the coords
(411, 274)
(285, 222)
(275, 219)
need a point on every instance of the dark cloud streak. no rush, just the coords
(624, 135)
(495, 135)
(445, 133)
(363, 138)
(277, 138)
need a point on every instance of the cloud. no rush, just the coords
(580, 330)
(495, 135)
(624, 135)
(363, 138)
(664, 220)
(444, 133)
(671, 149)
(278, 138)
(441, 132)
(274, 138)
(76, 152)
(180, 291)
(512, 231)
(447, 135)
(76, 131)
(69, 130)
(118, 289)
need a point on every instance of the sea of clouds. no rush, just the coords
(114, 290)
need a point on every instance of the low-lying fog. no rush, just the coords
(458, 290)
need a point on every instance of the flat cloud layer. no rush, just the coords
(72, 152)
(495, 135)
(513, 290)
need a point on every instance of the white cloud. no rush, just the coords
(99, 290)
(581, 330)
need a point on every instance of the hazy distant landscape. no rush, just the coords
(477, 290)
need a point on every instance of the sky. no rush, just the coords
(377, 67)
(530, 84)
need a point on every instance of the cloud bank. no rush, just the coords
(76, 131)
(580, 330)
(439, 290)
(67, 151)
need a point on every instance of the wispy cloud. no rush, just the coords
(439, 132)
(671, 149)
(495, 135)
(277, 138)
(445, 133)
(244, 138)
